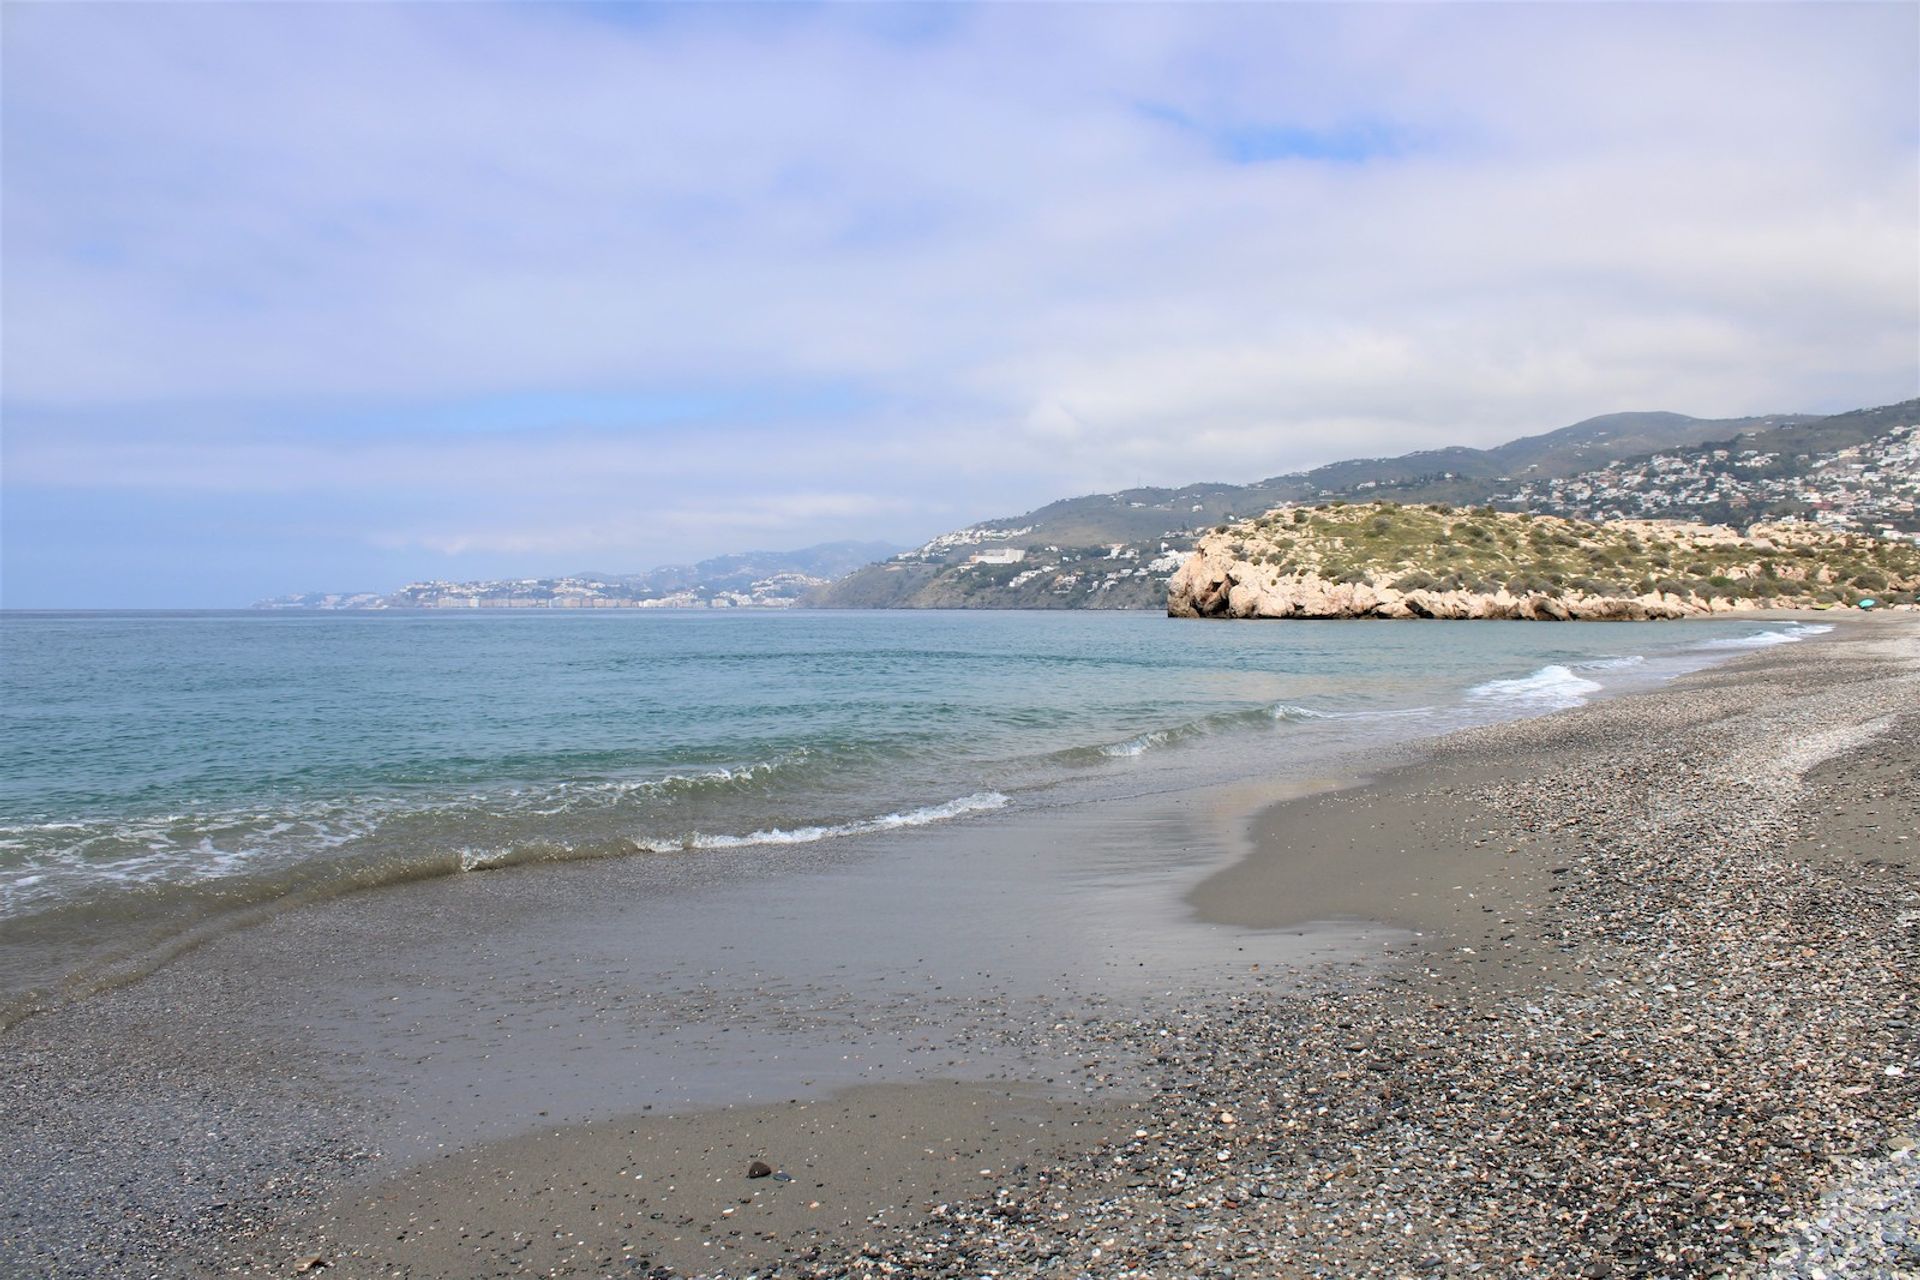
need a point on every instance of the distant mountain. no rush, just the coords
(751, 579)
(1555, 453)
(827, 560)
(1116, 550)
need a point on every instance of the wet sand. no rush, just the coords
(1402, 850)
(475, 1098)
(683, 1193)
(368, 1037)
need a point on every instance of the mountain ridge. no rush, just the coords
(1116, 550)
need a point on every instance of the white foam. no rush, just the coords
(1287, 711)
(1611, 664)
(1138, 745)
(51, 861)
(1768, 639)
(56, 861)
(598, 793)
(483, 859)
(1548, 688)
(979, 802)
(1398, 713)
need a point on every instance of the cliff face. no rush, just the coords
(1215, 587)
(1379, 560)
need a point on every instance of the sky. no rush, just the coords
(336, 297)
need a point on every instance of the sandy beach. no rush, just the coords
(1625, 990)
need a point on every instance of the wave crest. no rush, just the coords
(1218, 722)
(978, 802)
(1767, 639)
(1287, 711)
(1140, 744)
(43, 864)
(1551, 687)
(1611, 664)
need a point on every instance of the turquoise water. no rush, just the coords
(165, 764)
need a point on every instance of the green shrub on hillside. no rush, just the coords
(1438, 548)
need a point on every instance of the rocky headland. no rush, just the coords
(1383, 560)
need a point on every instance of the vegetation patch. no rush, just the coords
(1437, 548)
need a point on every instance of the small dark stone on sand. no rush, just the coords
(759, 1169)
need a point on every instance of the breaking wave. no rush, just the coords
(118, 938)
(979, 802)
(1140, 744)
(1767, 639)
(1549, 688)
(1205, 726)
(1253, 718)
(43, 864)
(1611, 664)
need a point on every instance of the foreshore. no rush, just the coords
(1649, 997)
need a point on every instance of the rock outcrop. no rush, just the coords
(1383, 561)
(1212, 586)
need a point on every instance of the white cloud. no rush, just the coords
(1014, 232)
(619, 531)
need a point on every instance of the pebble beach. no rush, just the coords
(1652, 1016)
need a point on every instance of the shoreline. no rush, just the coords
(1131, 1105)
(1584, 1055)
(75, 950)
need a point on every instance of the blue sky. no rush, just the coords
(340, 296)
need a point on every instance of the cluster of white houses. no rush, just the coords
(941, 548)
(1868, 488)
(1067, 572)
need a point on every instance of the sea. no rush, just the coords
(164, 775)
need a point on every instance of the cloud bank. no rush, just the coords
(387, 287)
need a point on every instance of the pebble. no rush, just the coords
(1678, 1106)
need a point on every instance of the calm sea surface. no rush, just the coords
(179, 766)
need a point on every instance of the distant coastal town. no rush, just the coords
(780, 591)
(749, 580)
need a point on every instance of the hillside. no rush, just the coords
(1381, 559)
(739, 571)
(1858, 471)
(1115, 550)
(752, 579)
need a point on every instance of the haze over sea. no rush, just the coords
(165, 771)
